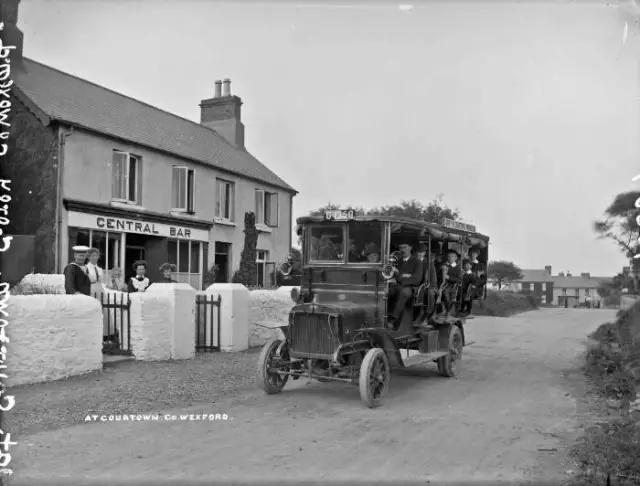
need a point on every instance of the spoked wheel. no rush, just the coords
(447, 365)
(271, 382)
(375, 374)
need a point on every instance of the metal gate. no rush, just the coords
(116, 312)
(207, 322)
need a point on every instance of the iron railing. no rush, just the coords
(207, 323)
(116, 311)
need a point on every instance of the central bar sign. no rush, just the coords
(121, 225)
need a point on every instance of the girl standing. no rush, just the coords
(139, 283)
(167, 270)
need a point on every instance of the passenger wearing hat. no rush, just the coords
(167, 269)
(454, 276)
(372, 253)
(428, 268)
(478, 268)
(480, 278)
(139, 283)
(76, 280)
(408, 278)
(468, 282)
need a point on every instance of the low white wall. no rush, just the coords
(52, 337)
(268, 309)
(151, 326)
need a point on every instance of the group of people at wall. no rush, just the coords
(83, 276)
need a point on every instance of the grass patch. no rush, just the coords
(611, 448)
(504, 304)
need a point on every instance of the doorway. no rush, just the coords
(222, 261)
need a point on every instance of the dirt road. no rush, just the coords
(511, 400)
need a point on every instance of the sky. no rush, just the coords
(524, 115)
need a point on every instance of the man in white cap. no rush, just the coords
(76, 280)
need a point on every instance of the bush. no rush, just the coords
(612, 448)
(504, 304)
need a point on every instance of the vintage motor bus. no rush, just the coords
(337, 329)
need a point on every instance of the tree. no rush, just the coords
(247, 274)
(502, 272)
(434, 212)
(620, 226)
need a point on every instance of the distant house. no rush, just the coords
(562, 289)
(538, 283)
(572, 290)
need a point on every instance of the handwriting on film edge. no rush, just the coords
(637, 205)
(5, 199)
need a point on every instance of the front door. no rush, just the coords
(157, 254)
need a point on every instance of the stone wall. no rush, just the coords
(52, 337)
(268, 309)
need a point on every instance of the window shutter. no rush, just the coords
(273, 209)
(175, 189)
(190, 191)
(132, 179)
(219, 199)
(259, 206)
(119, 166)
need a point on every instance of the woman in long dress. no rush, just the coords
(139, 283)
(97, 277)
(95, 273)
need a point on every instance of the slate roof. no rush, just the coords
(73, 100)
(535, 276)
(578, 282)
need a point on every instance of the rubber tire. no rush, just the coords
(446, 364)
(373, 356)
(266, 355)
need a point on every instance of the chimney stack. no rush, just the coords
(585, 275)
(222, 114)
(548, 269)
(11, 34)
(568, 273)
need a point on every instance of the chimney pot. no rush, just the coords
(226, 85)
(548, 269)
(218, 92)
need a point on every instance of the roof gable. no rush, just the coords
(73, 100)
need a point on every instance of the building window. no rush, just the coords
(587, 292)
(182, 192)
(261, 261)
(224, 203)
(544, 286)
(577, 291)
(266, 208)
(526, 286)
(564, 291)
(126, 171)
(187, 257)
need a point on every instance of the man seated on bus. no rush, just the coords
(453, 278)
(409, 274)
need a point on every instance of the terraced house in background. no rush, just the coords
(561, 289)
(94, 167)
